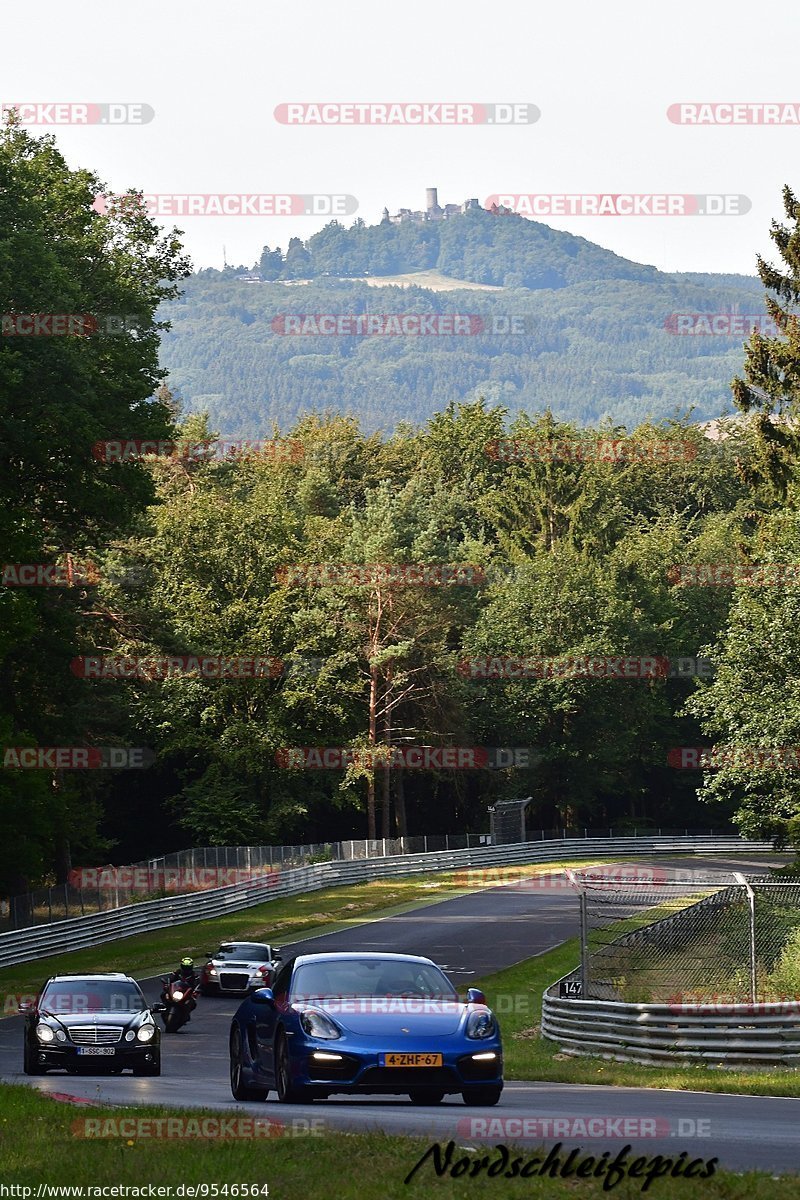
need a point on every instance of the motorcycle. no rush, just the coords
(179, 1000)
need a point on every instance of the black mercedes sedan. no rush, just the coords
(90, 1022)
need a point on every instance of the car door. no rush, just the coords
(265, 1019)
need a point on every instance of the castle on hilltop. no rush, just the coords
(432, 211)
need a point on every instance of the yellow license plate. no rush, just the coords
(410, 1060)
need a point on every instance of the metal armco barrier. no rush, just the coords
(25, 945)
(731, 1035)
(719, 1032)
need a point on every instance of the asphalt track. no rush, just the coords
(470, 935)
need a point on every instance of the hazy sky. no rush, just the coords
(603, 76)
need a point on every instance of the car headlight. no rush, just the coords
(145, 1033)
(211, 970)
(62, 1037)
(45, 1033)
(317, 1024)
(481, 1025)
(130, 1035)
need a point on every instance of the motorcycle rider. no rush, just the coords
(186, 975)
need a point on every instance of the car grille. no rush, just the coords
(235, 983)
(94, 1035)
(393, 1078)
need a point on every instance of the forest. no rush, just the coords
(368, 571)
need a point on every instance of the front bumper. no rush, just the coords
(66, 1056)
(359, 1070)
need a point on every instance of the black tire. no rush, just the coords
(485, 1096)
(288, 1092)
(29, 1064)
(172, 1021)
(421, 1096)
(239, 1089)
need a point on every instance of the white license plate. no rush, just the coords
(101, 1050)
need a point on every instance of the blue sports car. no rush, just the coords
(365, 1024)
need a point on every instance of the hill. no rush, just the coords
(567, 325)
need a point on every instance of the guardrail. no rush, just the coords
(77, 933)
(715, 1033)
(739, 1035)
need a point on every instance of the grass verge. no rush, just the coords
(41, 1142)
(516, 995)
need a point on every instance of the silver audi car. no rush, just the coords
(236, 968)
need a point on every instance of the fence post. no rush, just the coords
(584, 948)
(751, 905)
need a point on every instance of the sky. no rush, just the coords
(602, 76)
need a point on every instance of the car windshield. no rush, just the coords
(370, 977)
(249, 950)
(85, 996)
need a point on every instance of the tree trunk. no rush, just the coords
(373, 703)
(387, 780)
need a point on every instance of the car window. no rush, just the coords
(371, 977)
(280, 985)
(250, 950)
(85, 996)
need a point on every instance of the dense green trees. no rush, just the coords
(572, 548)
(59, 394)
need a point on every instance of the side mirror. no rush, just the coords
(158, 1007)
(263, 996)
(475, 996)
(24, 1007)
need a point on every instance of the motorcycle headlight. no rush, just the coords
(317, 1024)
(481, 1025)
(145, 1033)
(177, 995)
(45, 1033)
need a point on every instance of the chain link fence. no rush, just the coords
(656, 935)
(101, 889)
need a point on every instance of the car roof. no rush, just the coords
(88, 977)
(350, 955)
